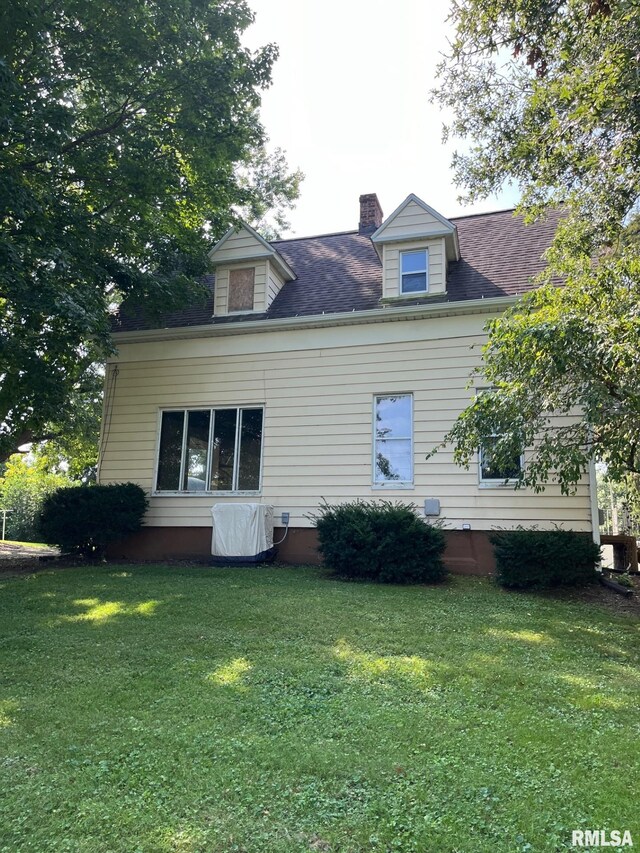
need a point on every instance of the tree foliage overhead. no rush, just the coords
(547, 93)
(130, 137)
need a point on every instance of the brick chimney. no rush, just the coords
(370, 214)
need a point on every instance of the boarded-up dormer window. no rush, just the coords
(241, 287)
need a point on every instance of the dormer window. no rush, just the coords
(414, 276)
(249, 272)
(415, 245)
(241, 289)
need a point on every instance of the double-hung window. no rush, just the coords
(212, 450)
(414, 271)
(393, 440)
(490, 473)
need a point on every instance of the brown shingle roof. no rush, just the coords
(499, 256)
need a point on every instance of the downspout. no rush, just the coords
(593, 494)
(110, 378)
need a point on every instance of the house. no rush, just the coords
(327, 368)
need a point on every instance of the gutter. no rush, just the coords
(319, 321)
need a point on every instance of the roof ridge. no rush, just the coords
(316, 236)
(355, 231)
(486, 213)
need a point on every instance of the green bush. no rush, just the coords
(83, 520)
(380, 541)
(537, 559)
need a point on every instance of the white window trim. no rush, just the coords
(426, 271)
(241, 266)
(509, 483)
(391, 484)
(208, 493)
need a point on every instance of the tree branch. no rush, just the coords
(97, 132)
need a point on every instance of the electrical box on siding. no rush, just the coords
(431, 506)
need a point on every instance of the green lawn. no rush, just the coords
(192, 709)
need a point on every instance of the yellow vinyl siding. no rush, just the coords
(238, 247)
(437, 266)
(317, 386)
(274, 283)
(413, 220)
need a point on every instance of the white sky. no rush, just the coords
(350, 106)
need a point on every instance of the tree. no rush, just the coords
(547, 91)
(130, 139)
(620, 500)
(74, 442)
(25, 483)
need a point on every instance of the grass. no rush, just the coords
(24, 544)
(273, 711)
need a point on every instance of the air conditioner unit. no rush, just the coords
(242, 533)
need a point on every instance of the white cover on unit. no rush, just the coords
(241, 530)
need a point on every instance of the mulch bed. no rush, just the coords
(598, 594)
(18, 560)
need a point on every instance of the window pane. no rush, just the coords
(414, 261)
(393, 417)
(414, 283)
(393, 461)
(195, 473)
(170, 453)
(223, 451)
(489, 471)
(250, 450)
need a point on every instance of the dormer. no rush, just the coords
(415, 245)
(249, 272)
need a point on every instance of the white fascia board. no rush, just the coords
(287, 272)
(269, 252)
(349, 318)
(456, 243)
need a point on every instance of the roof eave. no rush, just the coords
(348, 318)
(287, 272)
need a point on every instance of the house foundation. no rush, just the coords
(468, 552)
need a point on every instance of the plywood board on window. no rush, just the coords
(241, 289)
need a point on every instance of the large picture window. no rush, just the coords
(214, 450)
(393, 440)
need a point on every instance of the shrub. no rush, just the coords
(380, 541)
(23, 487)
(536, 559)
(83, 520)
